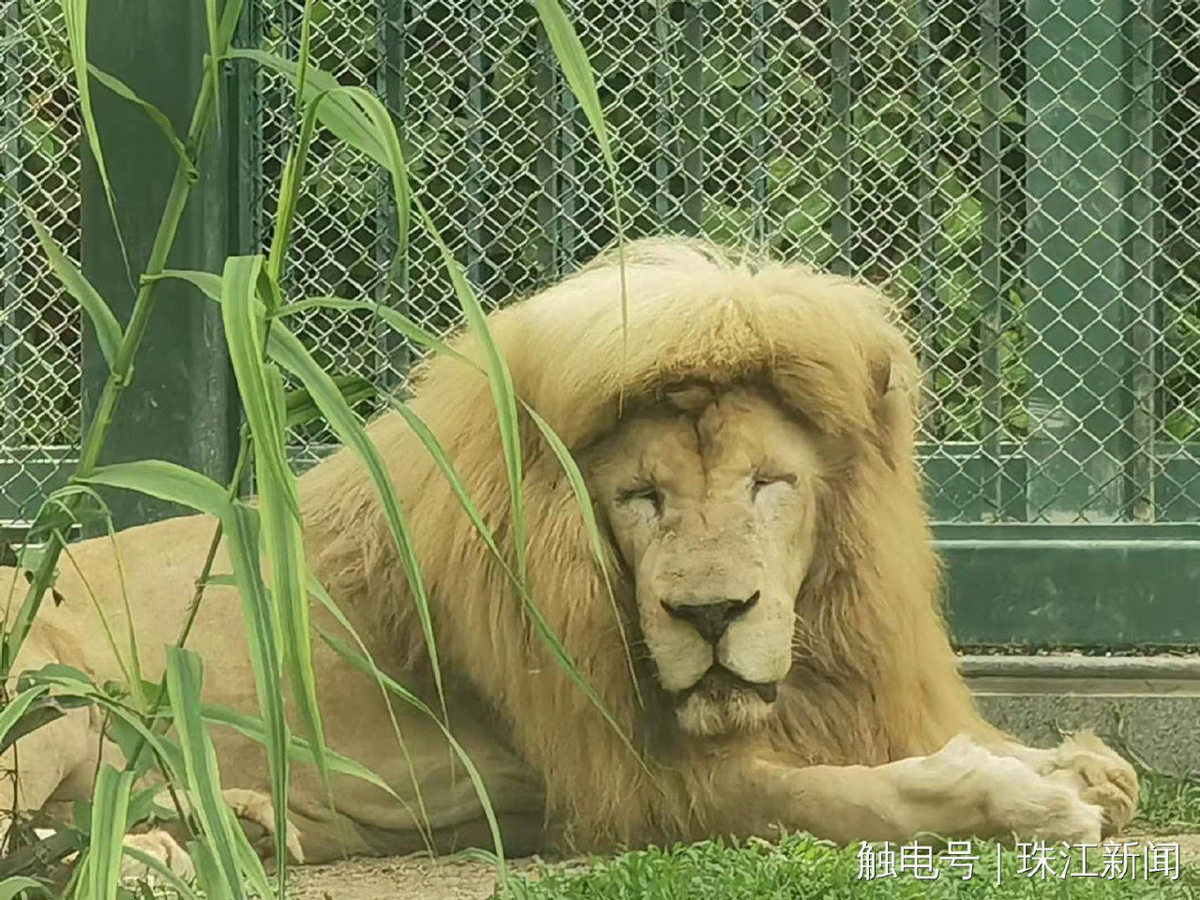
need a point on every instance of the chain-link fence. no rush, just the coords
(39, 322)
(1024, 179)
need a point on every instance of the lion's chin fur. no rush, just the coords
(710, 714)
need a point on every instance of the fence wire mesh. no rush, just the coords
(1024, 180)
(39, 323)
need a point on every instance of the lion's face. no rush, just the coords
(711, 502)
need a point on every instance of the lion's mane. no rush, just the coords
(873, 678)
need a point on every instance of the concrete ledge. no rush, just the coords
(1073, 665)
(1115, 676)
(1148, 706)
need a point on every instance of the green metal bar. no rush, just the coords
(1179, 466)
(570, 145)
(243, 86)
(393, 288)
(760, 17)
(29, 476)
(666, 128)
(476, 186)
(929, 232)
(991, 252)
(547, 123)
(1107, 585)
(956, 473)
(12, 174)
(841, 127)
(692, 118)
(1079, 357)
(1143, 293)
(181, 410)
(289, 14)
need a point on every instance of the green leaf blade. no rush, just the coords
(577, 68)
(165, 480)
(75, 17)
(338, 113)
(203, 780)
(244, 335)
(156, 115)
(287, 349)
(108, 330)
(110, 809)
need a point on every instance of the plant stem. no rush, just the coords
(245, 450)
(122, 367)
(150, 713)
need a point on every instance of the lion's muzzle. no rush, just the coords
(723, 701)
(711, 618)
(719, 682)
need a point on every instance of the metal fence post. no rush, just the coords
(12, 172)
(393, 289)
(476, 188)
(179, 406)
(1144, 294)
(691, 116)
(843, 69)
(991, 256)
(1082, 274)
(548, 164)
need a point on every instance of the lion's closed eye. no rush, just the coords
(763, 481)
(646, 496)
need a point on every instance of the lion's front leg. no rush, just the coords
(964, 790)
(1091, 768)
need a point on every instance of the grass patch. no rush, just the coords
(802, 867)
(1169, 803)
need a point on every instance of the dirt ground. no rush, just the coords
(411, 877)
(420, 878)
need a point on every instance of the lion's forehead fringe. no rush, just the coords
(683, 309)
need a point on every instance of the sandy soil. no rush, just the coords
(420, 878)
(411, 878)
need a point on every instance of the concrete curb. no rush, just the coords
(1078, 666)
(1148, 704)
(1113, 676)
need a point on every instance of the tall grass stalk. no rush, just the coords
(264, 541)
(121, 367)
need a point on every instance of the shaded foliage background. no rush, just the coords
(858, 136)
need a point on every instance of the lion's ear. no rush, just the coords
(897, 384)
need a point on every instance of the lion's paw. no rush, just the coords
(256, 813)
(1023, 804)
(1098, 775)
(160, 846)
(1004, 797)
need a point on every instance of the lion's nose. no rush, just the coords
(710, 617)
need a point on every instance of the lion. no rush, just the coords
(762, 627)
